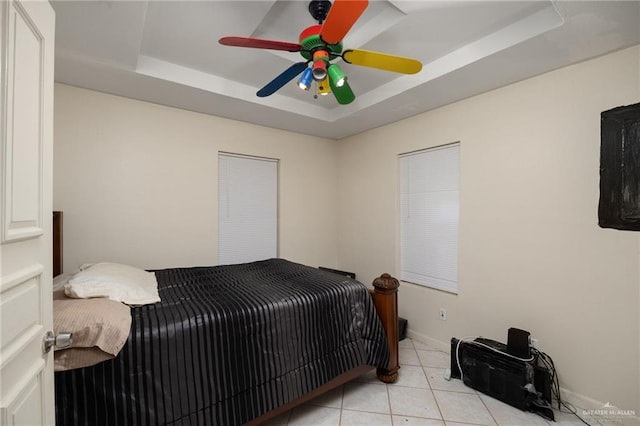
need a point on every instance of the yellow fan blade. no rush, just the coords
(382, 61)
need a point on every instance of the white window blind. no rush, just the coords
(247, 208)
(429, 205)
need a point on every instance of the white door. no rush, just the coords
(26, 160)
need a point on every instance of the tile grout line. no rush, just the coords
(289, 414)
(431, 389)
(389, 402)
(341, 403)
(412, 346)
(488, 410)
(389, 396)
(437, 405)
(449, 391)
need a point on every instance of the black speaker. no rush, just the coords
(402, 328)
(518, 343)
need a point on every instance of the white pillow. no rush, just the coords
(114, 281)
(60, 280)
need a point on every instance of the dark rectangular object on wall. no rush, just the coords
(619, 205)
(339, 272)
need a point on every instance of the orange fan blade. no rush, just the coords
(342, 15)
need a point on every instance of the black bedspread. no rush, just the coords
(225, 345)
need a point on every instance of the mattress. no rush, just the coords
(226, 345)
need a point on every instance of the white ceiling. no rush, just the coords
(167, 52)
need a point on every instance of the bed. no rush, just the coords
(237, 344)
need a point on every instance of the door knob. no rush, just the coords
(61, 341)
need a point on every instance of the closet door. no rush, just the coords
(26, 114)
(247, 208)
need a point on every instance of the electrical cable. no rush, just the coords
(547, 361)
(458, 354)
(575, 413)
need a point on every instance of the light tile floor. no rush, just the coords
(420, 397)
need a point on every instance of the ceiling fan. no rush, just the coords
(320, 45)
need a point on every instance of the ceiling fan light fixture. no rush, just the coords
(305, 79)
(319, 70)
(344, 95)
(320, 61)
(323, 87)
(337, 76)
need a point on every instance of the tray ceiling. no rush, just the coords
(167, 52)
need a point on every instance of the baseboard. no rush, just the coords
(601, 411)
(430, 341)
(584, 404)
(580, 401)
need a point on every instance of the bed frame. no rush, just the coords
(385, 296)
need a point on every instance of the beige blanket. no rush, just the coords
(100, 329)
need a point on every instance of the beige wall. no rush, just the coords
(531, 254)
(138, 182)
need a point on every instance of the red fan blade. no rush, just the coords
(259, 43)
(342, 15)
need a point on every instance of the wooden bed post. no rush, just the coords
(385, 296)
